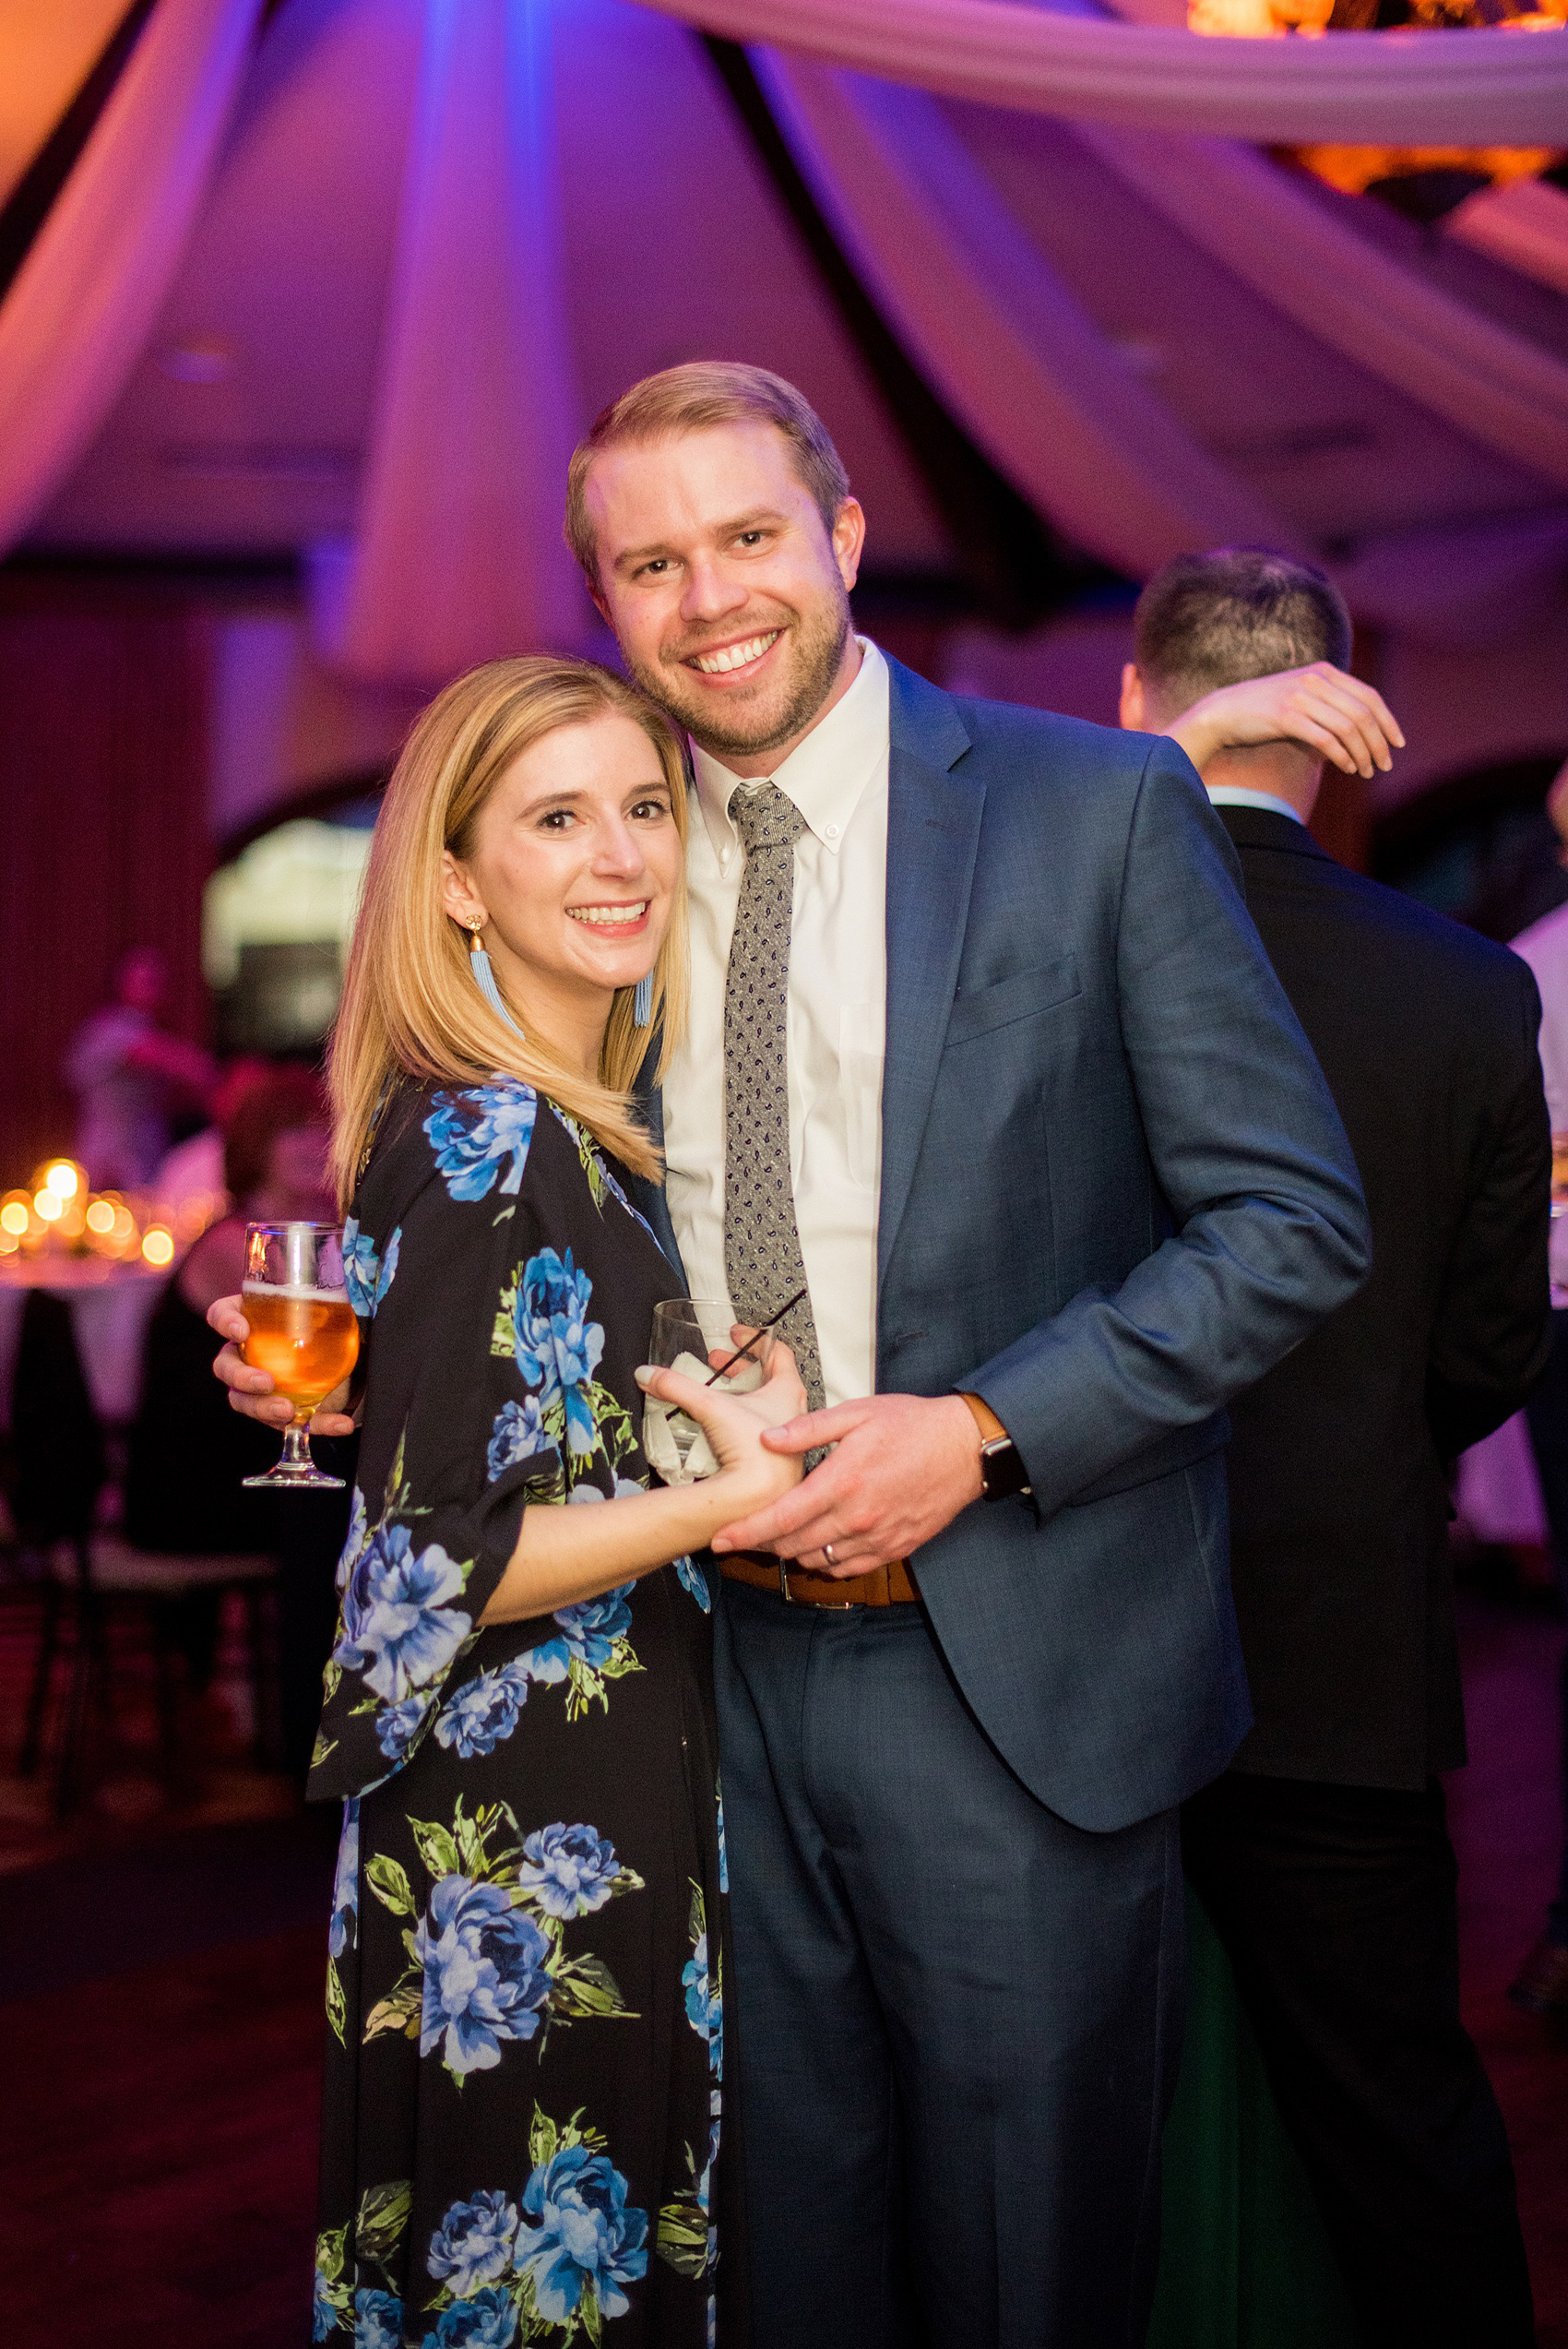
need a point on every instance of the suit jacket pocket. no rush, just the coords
(1018, 997)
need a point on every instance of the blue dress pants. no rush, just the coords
(958, 2016)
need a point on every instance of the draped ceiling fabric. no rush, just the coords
(88, 296)
(1280, 240)
(1523, 223)
(458, 554)
(997, 333)
(1056, 407)
(1471, 89)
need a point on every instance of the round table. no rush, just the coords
(110, 1305)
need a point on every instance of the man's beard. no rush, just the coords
(818, 650)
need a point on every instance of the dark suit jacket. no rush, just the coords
(1339, 1499)
(1114, 1191)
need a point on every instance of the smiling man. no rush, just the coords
(987, 1069)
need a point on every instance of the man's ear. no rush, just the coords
(848, 539)
(600, 605)
(1130, 711)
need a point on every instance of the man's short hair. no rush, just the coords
(1211, 620)
(693, 398)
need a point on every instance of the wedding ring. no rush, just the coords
(827, 1554)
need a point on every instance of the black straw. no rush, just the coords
(751, 1341)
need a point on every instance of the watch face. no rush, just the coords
(1003, 1473)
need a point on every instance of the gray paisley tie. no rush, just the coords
(762, 1242)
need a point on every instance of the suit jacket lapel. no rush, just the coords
(648, 1198)
(933, 820)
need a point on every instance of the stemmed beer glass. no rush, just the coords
(303, 1331)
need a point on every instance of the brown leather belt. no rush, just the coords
(884, 1586)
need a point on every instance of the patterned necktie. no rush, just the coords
(762, 1242)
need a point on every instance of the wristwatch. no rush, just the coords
(1003, 1473)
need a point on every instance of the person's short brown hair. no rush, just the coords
(1211, 620)
(693, 398)
(280, 1102)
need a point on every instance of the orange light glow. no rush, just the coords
(157, 1245)
(100, 1216)
(64, 1178)
(48, 1206)
(14, 1218)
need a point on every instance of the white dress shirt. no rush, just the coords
(1232, 795)
(838, 1017)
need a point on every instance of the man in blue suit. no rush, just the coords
(985, 1061)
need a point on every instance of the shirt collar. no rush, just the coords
(1232, 795)
(825, 776)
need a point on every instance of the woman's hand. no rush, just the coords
(251, 1390)
(733, 1424)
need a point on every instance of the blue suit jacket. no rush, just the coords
(1115, 1192)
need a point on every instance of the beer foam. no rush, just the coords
(310, 1296)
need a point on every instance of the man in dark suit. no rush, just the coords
(1321, 1853)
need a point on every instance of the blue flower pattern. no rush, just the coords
(476, 1134)
(570, 1871)
(578, 2232)
(378, 2320)
(556, 1347)
(488, 2322)
(397, 1628)
(484, 1711)
(705, 2005)
(346, 1884)
(519, 1432)
(473, 2246)
(486, 1973)
(366, 1276)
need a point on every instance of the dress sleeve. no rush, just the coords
(455, 1443)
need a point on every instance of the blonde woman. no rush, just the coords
(521, 2132)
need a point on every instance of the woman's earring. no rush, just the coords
(478, 962)
(642, 1002)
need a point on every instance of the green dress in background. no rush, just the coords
(1244, 2262)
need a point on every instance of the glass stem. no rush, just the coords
(296, 1450)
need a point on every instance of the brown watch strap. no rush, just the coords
(990, 1426)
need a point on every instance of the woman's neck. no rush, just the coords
(569, 1018)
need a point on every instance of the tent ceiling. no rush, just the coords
(241, 430)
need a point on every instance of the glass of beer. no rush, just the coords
(303, 1331)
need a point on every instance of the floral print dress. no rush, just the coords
(525, 2044)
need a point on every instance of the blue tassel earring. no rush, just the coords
(478, 962)
(642, 1002)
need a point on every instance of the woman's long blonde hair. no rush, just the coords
(410, 1004)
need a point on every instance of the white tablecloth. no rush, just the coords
(111, 1305)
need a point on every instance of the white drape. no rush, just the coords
(458, 555)
(1278, 239)
(88, 296)
(1052, 403)
(1490, 88)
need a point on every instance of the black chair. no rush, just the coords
(89, 1579)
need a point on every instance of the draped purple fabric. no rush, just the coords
(1470, 88)
(458, 554)
(1276, 237)
(1057, 408)
(995, 331)
(86, 298)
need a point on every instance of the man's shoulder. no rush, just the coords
(1382, 935)
(1007, 742)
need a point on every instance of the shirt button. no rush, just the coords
(830, 831)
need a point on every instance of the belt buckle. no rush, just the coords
(784, 1590)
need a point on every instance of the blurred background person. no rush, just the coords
(1541, 1983)
(130, 1076)
(189, 1452)
(194, 1169)
(1322, 1854)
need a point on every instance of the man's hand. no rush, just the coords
(902, 1468)
(1341, 719)
(251, 1390)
